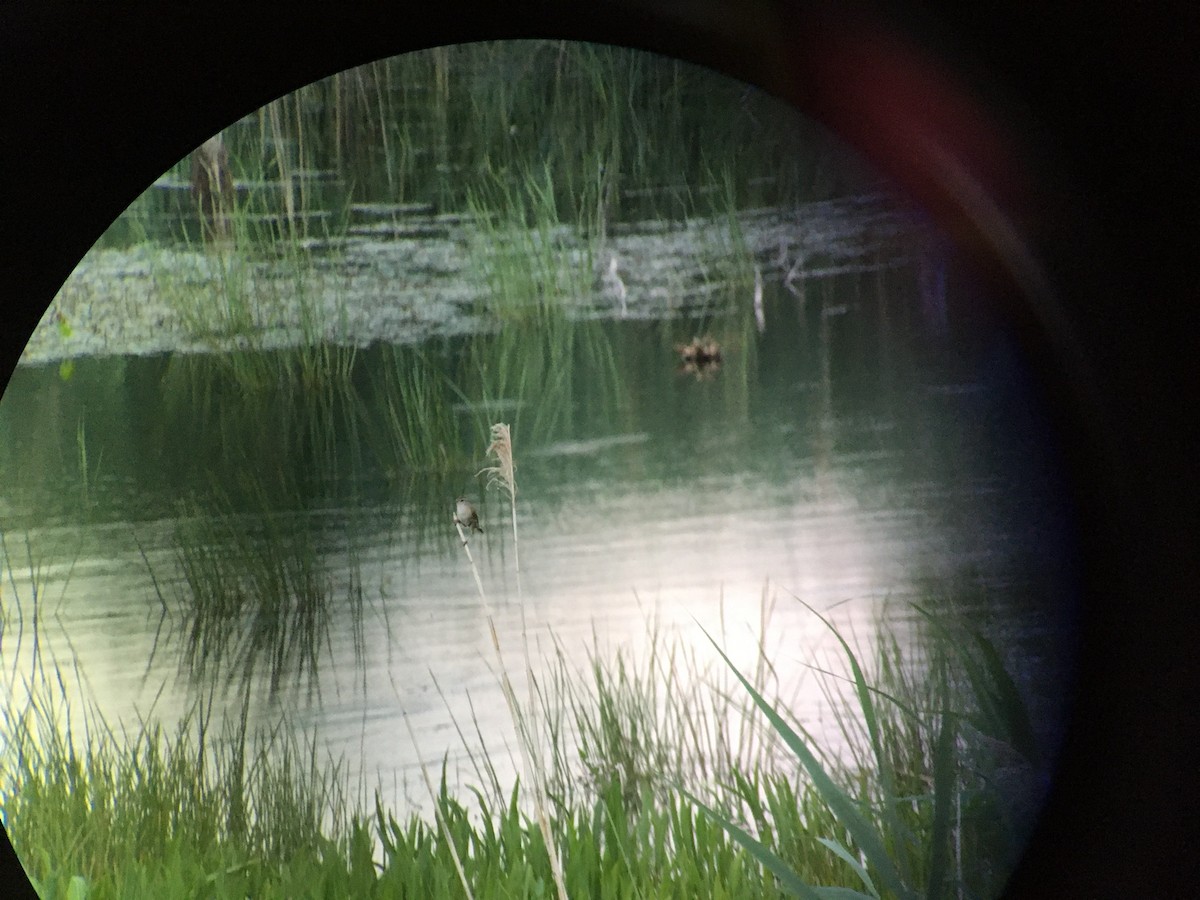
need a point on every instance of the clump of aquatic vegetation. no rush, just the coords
(540, 150)
(532, 260)
(256, 593)
(391, 409)
(618, 134)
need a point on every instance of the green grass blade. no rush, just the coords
(1011, 708)
(861, 689)
(865, 835)
(1003, 714)
(943, 793)
(788, 880)
(870, 715)
(842, 853)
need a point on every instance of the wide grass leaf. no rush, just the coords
(864, 834)
(1002, 714)
(788, 879)
(943, 791)
(848, 857)
(871, 717)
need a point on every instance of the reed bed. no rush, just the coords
(646, 797)
(622, 134)
(548, 147)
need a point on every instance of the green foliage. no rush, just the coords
(408, 414)
(216, 811)
(543, 379)
(256, 593)
(530, 259)
(620, 134)
(891, 853)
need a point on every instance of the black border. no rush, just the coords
(98, 100)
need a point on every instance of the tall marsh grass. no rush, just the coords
(547, 379)
(526, 721)
(622, 134)
(262, 442)
(255, 596)
(105, 811)
(648, 795)
(532, 260)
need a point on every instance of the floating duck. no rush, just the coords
(700, 351)
(700, 357)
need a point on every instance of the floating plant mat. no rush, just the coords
(394, 288)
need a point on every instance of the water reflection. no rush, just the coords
(286, 547)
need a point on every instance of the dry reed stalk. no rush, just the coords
(503, 474)
(437, 813)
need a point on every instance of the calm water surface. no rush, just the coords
(846, 456)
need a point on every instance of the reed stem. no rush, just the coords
(528, 733)
(439, 814)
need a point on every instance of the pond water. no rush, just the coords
(847, 454)
(234, 443)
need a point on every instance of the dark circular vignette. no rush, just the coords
(1052, 146)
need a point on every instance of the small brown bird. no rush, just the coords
(466, 515)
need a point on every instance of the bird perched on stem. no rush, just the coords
(466, 515)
